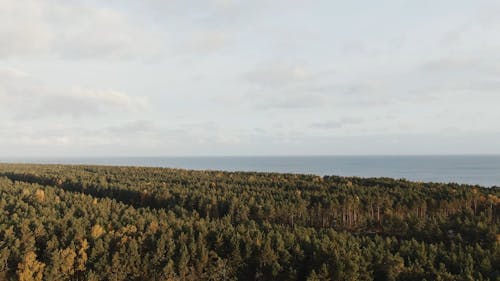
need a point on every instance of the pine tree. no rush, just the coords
(4, 265)
(82, 257)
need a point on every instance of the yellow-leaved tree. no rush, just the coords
(30, 269)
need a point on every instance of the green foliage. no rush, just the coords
(124, 223)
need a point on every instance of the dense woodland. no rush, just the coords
(124, 223)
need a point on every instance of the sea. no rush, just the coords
(470, 169)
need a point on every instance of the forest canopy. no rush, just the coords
(61, 222)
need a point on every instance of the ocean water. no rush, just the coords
(476, 170)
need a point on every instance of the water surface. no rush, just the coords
(482, 170)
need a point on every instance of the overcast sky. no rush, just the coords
(177, 77)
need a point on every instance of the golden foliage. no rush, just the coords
(40, 195)
(30, 269)
(68, 256)
(97, 231)
(153, 227)
(82, 255)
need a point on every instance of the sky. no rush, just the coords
(221, 77)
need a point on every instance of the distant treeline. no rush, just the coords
(127, 223)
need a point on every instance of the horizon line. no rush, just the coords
(246, 156)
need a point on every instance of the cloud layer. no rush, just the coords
(258, 77)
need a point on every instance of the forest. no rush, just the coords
(72, 222)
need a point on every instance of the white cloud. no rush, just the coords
(78, 102)
(26, 98)
(336, 124)
(23, 29)
(291, 101)
(133, 128)
(205, 42)
(279, 74)
(71, 30)
(280, 85)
